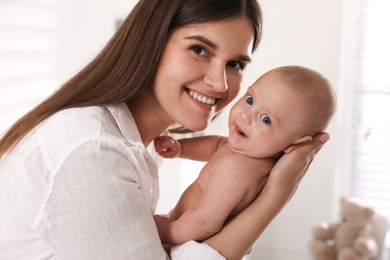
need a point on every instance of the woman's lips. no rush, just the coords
(201, 98)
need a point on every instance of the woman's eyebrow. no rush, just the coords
(204, 40)
(245, 58)
(215, 46)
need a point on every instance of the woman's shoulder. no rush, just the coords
(78, 122)
(70, 128)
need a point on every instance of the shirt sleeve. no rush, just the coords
(97, 210)
(192, 250)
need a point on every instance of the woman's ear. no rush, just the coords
(298, 143)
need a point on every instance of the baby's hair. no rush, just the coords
(315, 90)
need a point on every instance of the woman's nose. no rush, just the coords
(216, 78)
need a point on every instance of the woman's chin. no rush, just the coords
(197, 128)
(193, 126)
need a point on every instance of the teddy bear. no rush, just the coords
(352, 238)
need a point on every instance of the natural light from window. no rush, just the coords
(371, 171)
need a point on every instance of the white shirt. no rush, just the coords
(82, 186)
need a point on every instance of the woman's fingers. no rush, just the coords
(291, 168)
(311, 149)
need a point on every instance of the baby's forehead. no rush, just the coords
(281, 91)
(270, 84)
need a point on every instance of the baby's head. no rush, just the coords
(284, 109)
(313, 90)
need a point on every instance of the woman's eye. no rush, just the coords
(236, 65)
(199, 50)
(249, 100)
(265, 119)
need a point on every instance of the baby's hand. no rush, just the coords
(167, 147)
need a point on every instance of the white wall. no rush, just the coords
(303, 32)
(85, 26)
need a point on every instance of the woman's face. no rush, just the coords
(201, 70)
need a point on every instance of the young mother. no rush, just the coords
(76, 178)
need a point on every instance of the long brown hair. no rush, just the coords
(129, 61)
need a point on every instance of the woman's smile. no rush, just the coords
(201, 98)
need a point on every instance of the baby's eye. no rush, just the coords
(265, 119)
(236, 65)
(249, 100)
(199, 50)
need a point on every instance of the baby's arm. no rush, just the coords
(225, 190)
(241, 232)
(195, 148)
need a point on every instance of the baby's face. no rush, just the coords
(267, 119)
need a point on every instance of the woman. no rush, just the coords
(77, 180)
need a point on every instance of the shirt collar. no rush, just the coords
(125, 122)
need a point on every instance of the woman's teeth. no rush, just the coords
(200, 98)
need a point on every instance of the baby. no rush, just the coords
(281, 111)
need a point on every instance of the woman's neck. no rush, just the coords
(149, 116)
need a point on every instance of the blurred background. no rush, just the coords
(44, 42)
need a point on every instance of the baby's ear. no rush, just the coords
(298, 143)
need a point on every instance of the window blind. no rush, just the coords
(371, 107)
(27, 56)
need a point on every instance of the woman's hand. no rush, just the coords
(237, 236)
(162, 222)
(292, 167)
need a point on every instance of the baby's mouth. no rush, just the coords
(240, 132)
(201, 98)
